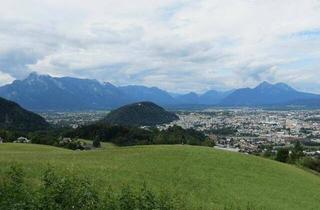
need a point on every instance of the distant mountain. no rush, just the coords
(266, 94)
(137, 93)
(213, 97)
(189, 98)
(13, 117)
(45, 93)
(140, 114)
(42, 92)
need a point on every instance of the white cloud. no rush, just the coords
(5, 78)
(179, 45)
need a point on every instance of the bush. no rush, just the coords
(208, 143)
(142, 199)
(67, 192)
(297, 152)
(14, 193)
(96, 142)
(311, 163)
(282, 155)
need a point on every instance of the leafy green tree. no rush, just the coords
(268, 152)
(96, 142)
(282, 155)
(297, 152)
(312, 163)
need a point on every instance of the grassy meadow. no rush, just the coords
(205, 177)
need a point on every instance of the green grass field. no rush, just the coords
(205, 177)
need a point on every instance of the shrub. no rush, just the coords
(14, 193)
(67, 192)
(311, 163)
(71, 192)
(282, 155)
(297, 152)
(96, 142)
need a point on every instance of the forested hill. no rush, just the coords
(14, 117)
(140, 114)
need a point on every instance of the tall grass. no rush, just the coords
(71, 192)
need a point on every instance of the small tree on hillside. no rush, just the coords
(297, 152)
(96, 141)
(282, 155)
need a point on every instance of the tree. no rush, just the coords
(96, 142)
(268, 152)
(282, 155)
(297, 152)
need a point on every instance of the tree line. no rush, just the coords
(128, 136)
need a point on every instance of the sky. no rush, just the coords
(176, 45)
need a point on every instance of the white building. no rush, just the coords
(22, 140)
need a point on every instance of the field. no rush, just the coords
(205, 177)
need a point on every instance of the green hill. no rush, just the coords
(205, 177)
(140, 114)
(14, 117)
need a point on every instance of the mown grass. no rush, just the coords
(206, 178)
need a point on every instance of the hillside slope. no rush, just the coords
(13, 117)
(205, 177)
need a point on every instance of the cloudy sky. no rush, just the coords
(177, 45)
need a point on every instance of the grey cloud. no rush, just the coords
(176, 45)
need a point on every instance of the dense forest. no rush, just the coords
(126, 136)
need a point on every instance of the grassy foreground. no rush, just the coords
(206, 178)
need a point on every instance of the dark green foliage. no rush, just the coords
(47, 137)
(67, 192)
(223, 131)
(268, 151)
(140, 114)
(142, 199)
(297, 152)
(208, 143)
(312, 163)
(178, 135)
(283, 155)
(14, 117)
(126, 136)
(96, 142)
(10, 135)
(73, 144)
(14, 193)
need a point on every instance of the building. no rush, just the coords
(22, 140)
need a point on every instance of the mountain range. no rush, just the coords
(267, 94)
(45, 93)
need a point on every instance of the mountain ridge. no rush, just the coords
(266, 94)
(45, 93)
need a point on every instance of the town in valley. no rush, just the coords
(247, 130)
